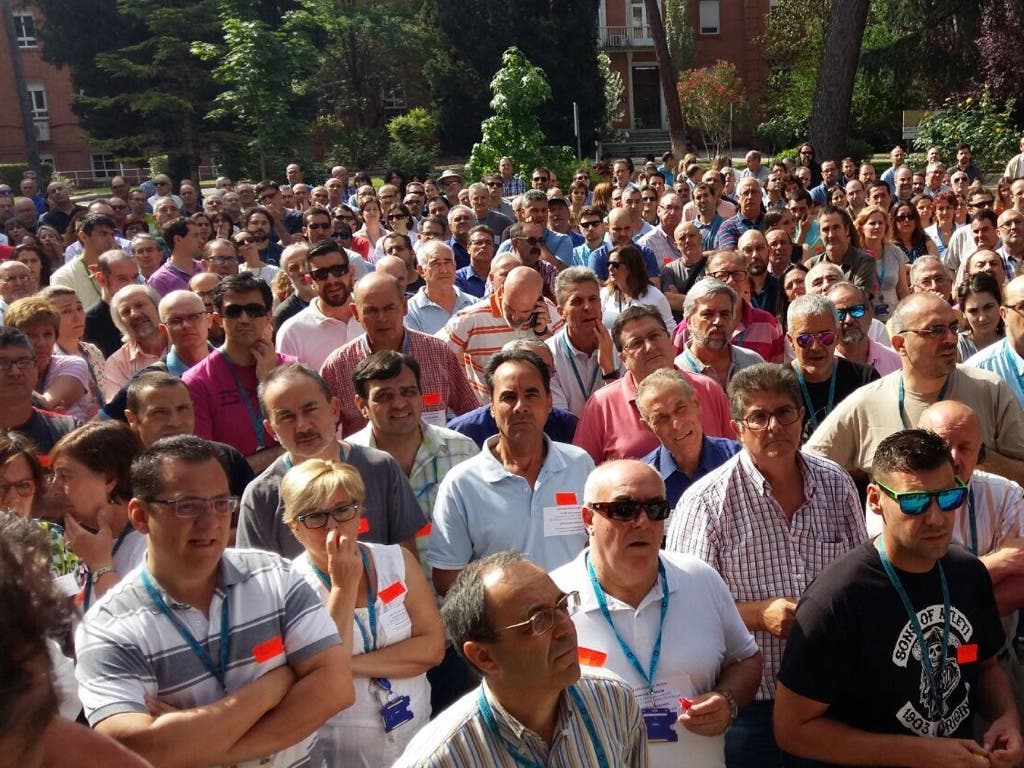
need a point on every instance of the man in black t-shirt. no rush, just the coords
(893, 647)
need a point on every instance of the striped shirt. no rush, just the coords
(731, 520)
(127, 649)
(479, 332)
(444, 386)
(460, 737)
(662, 246)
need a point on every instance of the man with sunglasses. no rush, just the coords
(591, 223)
(328, 322)
(853, 309)
(914, 628)
(528, 243)
(650, 616)
(768, 520)
(223, 385)
(205, 654)
(925, 338)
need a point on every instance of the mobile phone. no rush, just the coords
(534, 318)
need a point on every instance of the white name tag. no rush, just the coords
(435, 418)
(563, 520)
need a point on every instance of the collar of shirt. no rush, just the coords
(1013, 357)
(493, 470)
(318, 315)
(666, 464)
(588, 600)
(810, 483)
(508, 723)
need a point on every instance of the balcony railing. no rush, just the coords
(632, 36)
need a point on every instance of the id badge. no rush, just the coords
(659, 722)
(882, 309)
(395, 713)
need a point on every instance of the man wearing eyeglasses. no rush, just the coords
(925, 338)
(768, 520)
(917, 627)
(647, 616)
(223, 385)
(556, 249)
(220, 256)
(267, 667)
(1011, 231)
(853, 309)
(528, 243)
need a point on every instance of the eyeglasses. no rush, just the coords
(531, 240)
(1018, 308)
(5, 193)
(904, 217)
(726, 275)
(267, 198)
(981, 204)
(493, 183)
(543, 620)
(22, 364)
(589, 224)
(340, 514)
(917, 502)
(226, 260)
(325, 225)
(180, 322)
(935, 330)
(335, 270)
(857, 310)
(539, 178)
(758, 420)
(23, 488)
(648, 199)
(234, 311)
(825, 338)
(189, 509)
(397, 216)
(637, 343)
(628, 510)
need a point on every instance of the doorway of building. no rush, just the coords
(646, 98)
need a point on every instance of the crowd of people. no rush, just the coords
(708, 466)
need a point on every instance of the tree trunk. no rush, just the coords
(830, 115)
(667, 73)
(28, 126)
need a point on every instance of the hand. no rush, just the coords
(158, 707)
(934, 752)
(709, 715)
(670, 288)
(266, 358)
(543, 317)
(605, 347)
(778, 616)
(344, 563)
(1003, 742)
(94, 549)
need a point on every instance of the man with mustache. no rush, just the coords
(135, 313)
(853, 309)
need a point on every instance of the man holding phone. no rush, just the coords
(528, 243)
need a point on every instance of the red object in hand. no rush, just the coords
(685, 703)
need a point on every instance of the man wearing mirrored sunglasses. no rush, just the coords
(853, 309)
(768, 520)
(916, 627)
(647, 616)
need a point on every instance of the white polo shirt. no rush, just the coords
(311, 336)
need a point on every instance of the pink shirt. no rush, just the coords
(757, 331)
(611, 428)
(881, 358)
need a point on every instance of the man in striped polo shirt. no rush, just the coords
(218, 656)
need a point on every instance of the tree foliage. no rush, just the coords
(520, 89)
(614, 98)
(985, 123)
(714, 102)
(679, 34)
(413, 148)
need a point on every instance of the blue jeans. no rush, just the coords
(750, 741)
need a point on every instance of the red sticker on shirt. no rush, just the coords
(965, 654)
(591, 658)
(424, 531)
(431, 398)
(268, 650)
(364, 525)
(390, 593)
(563, 499)
(666, 260)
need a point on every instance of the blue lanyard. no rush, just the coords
(371, 603)
(488, 716)
(342, 457)
(220, 671)
(881, 272)
(117, 545)
(255, 414)
(437, 479)
(811, 411)
(934, 677)
(579, 379)
(901, 398)
(602, 603)
(973, 521)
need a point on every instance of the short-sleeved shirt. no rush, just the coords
(124, 364)
(1003, 360)
(741, 358)
(598, 260)
(76, 276)
(128, 650)
(578, 371)
(662, 245)
(613, 302)
(880, 357)
(310, 336)
(733, 228)
(850, 377)
(560, 246)
(714, 452)
(45, 428)
(469, 281)
(854, 613)
(425, 316)
(390, 507)
(482, 508)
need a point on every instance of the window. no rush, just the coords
(25, 29)
(393, 100)
(37, 99)
(709, 19)
(103, 165)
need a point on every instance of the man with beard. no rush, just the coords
(764, 286)
(710, 313)
(853, 310)
(836, 232)
(259, 223)
(134, 309)
(182, 237)
(328, 322)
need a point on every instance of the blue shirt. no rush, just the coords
(714, 452)
(425, 316)
(559, 245)
(1004, 361)
(468, 280)
(729, 233)
(479, 425)
(708, 232)
(581, 254)
(461, 254)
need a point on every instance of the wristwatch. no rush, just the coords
(733, 709)
(99, 573)
(611, 375)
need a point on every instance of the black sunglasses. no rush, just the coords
(234, 311)
(532, 240)
(335, 270)
(627, 511)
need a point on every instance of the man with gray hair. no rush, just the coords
(822, 276)
(825, 379)
(479, 201)
(710, 312)
(433, 305)
(855, 342)
(134, 309)
(147, 252)
(934, 175)
(929, 274)
(460, 221)
(116, 269)
(750, 215)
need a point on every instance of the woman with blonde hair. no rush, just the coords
(384, 609)
(874, 229)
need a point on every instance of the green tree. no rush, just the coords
(985, 123)
(614, 98)
(519, 89)
(679, 34)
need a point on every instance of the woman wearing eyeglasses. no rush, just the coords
(628, 284)
(979, 298)
(383, 607)
(248, 249)
(21, 475)
(908, 234)
(893, 277)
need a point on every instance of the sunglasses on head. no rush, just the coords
(827, 338)
(627, 510)
(335, 270)
(917, 502)
(857, 310)
(234, 311)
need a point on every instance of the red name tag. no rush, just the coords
(431, 398)
(424, 531)
(364, 526)
(563, 499)
(965, 654)
(591, 658)
(666, 261)
(390, 593)
(268, 650)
